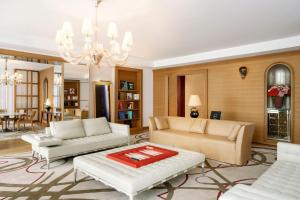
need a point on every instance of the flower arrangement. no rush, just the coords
(279, 90)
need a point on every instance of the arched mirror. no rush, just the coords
(279, 101)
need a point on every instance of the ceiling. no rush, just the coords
(162, 29)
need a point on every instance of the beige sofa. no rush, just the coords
(222, 140)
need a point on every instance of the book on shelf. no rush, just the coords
(122, 115)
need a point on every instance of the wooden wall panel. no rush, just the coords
(49, 74)
(239, 99)
(196, 84)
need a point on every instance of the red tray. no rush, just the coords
(130, 160)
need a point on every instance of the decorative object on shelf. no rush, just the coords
(194, 102)
(72, 91)
(129, 96)
(123, 85)
(136, 97)
(48, 105)
(130, 86)
(130, 106)
(129, 114)
(243, 72)
(278, 92)
(215, 115)
(93, 51)
(7, 78)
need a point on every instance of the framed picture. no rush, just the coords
(129, 96)
(130, 86)
(130, 106)
(215, 115)
(136, 97)
(72, 91)
(123, 85)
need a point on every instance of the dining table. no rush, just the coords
(7, 116)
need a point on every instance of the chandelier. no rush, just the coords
(93, 51)
(7, 78)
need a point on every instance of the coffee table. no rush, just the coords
(133, 181)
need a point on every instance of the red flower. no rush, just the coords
(273, 91)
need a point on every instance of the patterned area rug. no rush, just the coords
(24, 178)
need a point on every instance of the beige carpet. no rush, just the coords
(24, 178)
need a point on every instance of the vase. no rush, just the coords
(278, 102)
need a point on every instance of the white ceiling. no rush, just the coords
(162, 29)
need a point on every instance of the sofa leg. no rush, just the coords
(48, 164)
(202, 169)
(75, 175)
(33, 153)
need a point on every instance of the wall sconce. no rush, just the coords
(243, 72)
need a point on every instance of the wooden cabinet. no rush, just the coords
(128, 98)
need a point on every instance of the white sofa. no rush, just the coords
(75, 137)
(280, 182)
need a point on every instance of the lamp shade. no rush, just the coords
(194, 101)
(48, 103)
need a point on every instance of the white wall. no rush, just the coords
(147, 95)
(84, 94)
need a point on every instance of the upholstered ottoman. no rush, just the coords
(133, 181)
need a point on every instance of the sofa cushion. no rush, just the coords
(180, 123)
(198, 125)
(68, 129)
(84, 144)
(234, 133)
(212, 146)
(97, 126)
(41, 140)
(283, 178)
(220, 127)
(161, 123)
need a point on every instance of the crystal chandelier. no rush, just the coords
(7, 78)
(93, 51)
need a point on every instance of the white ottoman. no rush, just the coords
(133, 181)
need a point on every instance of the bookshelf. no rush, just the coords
(129, 99)
(72, 94)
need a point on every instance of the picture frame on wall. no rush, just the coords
(130, 86)
(215, 115)
(123, 85)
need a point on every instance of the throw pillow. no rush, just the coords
(161, 123)
(68, 129)
(234, 133)
(198, 126)
(97, 126)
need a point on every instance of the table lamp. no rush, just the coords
(48, 105)
(194, 102)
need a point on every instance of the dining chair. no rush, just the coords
(2, 124)
(3, 110)
(29, 118)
